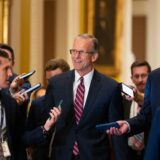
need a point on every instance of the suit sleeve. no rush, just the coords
(153, 146)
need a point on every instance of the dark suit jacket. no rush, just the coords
(153, 147)
(15, 123)
(103, 104)
(127, 108)
(151, 102)
(40, 150)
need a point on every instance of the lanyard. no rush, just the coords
(2, 116)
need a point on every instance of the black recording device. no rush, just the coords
(58, 106)
(106, 126)
(27, 75)
(33, 88)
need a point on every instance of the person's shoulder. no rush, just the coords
(105, 78)
(62, 77)
(156, 71)
(155, 74)
(38, 100)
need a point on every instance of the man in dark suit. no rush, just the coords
(12, 116)
(79, 139)
(53, 67)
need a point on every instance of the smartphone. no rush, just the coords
(58, 106)
(33, 88)
(60, 103)
(127, 90)
(27, 75)
(106, 126)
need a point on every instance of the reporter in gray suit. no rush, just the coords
(102, 103)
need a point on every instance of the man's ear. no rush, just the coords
(95, 57)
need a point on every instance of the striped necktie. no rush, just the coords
(78, 108)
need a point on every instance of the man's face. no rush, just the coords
(139, 77)
(5, 72)
(83, 61)
(52, 73)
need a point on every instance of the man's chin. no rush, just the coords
(142, 89)
(5, 86)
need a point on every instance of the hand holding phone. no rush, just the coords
(58, 106)
(106, 126)
(127, 90)
(27, 75)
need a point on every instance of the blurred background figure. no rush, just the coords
(132, 106)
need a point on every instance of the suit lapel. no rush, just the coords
(92, 94)
(69, 94)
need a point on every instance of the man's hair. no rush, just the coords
(53, 64)
(140, 64)
(3, 54)
(93, 38)
(8, 48)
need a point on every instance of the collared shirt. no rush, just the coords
(87, 81)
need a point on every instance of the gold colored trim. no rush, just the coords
(87, 25)
(1, 21)
(82, 16)
(5, 21)
(25, 36)
(4, 16)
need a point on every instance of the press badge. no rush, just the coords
(5, 148)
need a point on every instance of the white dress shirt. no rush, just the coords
(87, 81)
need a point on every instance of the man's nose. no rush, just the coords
(10, 73)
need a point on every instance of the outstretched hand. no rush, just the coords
(124, 128)
(16, 84)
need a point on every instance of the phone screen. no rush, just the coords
(127, 90)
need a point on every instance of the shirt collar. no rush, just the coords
(88, 76)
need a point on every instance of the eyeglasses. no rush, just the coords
(79, 52)
(136, 76)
